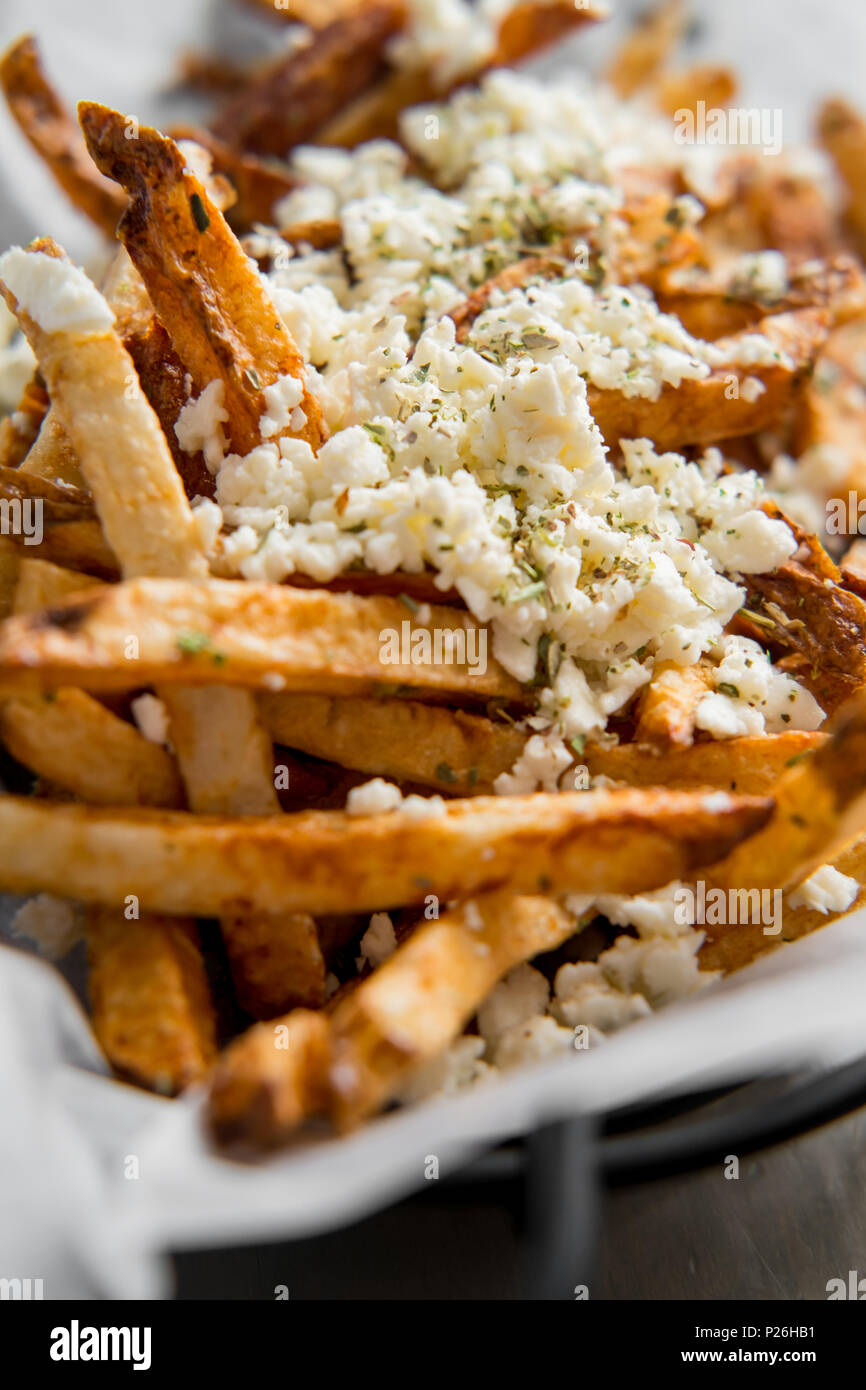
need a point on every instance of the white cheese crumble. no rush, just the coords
(152, 719)
(282, 400)
(378, 797)
(379, 940)
(520, 996)
(750, 696)
(54, 293)
(539, 767)
(826, 890)
(53, 924)
(199, 426)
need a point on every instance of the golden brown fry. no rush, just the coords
(735, 949)
(668, 705)
(529, 27)
(41, 583)
(682, 91)
(270, 1079)
(78, 745)
(748, 765)
(53, 134)
(149, 631)
(322, 235)
(819, 809)
(9, 566)
(164, 381)
(621, 841)
(818, 627)
(706, 411)
(649, 45)
(259, 184)
(119, 444)
(842, 132)
(525, 29)
(287, 104)
(420, 999)
(18, 430)
(150, 1000)
(71, 532)
(222, 323)
(351, 1063)
(711, 306)
(400, 739)
(52, 455)
(833, 405)
(314, 13)
(276, 961)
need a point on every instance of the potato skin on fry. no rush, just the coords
(326, 861)
(234, 634)
(53, 134)
(150, 1000)
(289, 103)
(267, 1082)
(706, 411)
(222, 323)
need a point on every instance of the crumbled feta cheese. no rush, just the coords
(282, 398)
(516, 999)
(458, 1067)
(199, 426)
(151, 716)
(379, 941)
(53, 924)
(54, 293)
(373, 798)
(663, 969)
(584, 996)
(539, 767)
(750, 696)
(826, 890)
(531, 1041)
(761, 275)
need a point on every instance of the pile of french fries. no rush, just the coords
(277, 701)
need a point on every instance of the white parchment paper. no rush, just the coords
(98, 1180)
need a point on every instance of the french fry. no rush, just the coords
(747, 765)
(833, 407)
(706, 411)
(119, 444)
(71, 534)
(121, 447)
(327, 861)
(711, 307)
(668, 705)
(53, 134)
(682, 91)
(18, 430)
(55, 734)
(406, 1012)
(842, 132)
(222, 323)
(293, 99)
(10, 562)
(52, 456)
(647, 48)
(270, 1080)
(78, 745)
(819, 809)
(150, 631)
(449, 750)
(734, 949)
(259, 184)
(151, 1007)
(527, 28)
(315, 13)
(817, 626)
